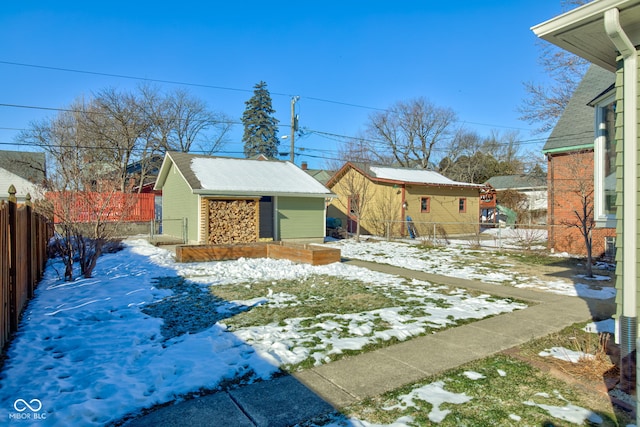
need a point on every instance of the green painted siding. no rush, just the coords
(620, 198)
(300, 218)
(619, 187)
(179, 202)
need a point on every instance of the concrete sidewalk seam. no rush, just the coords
(241, 408)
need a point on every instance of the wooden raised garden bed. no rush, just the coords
(297, 252)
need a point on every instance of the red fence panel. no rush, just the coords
(87, 206)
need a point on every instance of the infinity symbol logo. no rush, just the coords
(21, 405)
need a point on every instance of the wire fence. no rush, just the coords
(169, 230)
(480, 234)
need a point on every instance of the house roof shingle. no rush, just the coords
(514, 182)
(574, 129)
(26, 165)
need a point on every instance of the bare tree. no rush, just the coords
(190, 120)
(545, 103)
(578, 189)
(355, 150)
(82, 195)
(472, 158)
(115, 124)
(383, 214)
(91, 145)
(409, 131)
(355, 191)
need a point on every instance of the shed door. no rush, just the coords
(266, 217)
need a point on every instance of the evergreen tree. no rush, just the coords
(260, 126)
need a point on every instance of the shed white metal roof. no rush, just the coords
(245, 176)
(241, 177)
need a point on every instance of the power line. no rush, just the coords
(336, 137)
(219, 87)
(124, 76)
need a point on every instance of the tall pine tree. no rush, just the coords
(260, 126)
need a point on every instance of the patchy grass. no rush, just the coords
(302, 298)
(508, 392)
(515, 388)
(318, 319)
(537, 258)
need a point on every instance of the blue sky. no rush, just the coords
(344, 59)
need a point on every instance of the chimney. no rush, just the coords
(304, 166)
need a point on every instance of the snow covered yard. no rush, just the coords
(457, 260)
(88, 352)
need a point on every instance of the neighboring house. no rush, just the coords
(570, 163)
(26, 171)
(381, 199)
(143, 173)
(321, 175)
(214, 200)
(605, 32)
(534, 190)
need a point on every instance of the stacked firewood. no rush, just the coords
(232, 221)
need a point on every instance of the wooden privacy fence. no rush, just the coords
(24, 236)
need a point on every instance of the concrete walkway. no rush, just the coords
(289, 400)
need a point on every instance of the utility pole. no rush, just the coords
(294, 123)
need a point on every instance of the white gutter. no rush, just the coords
(630, 168)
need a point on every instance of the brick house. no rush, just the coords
(571, 169)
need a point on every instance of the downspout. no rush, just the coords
(551, 202)
(628, 317)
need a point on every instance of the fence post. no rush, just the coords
(30, 246)
(13, 280)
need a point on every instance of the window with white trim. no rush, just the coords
(605, 163)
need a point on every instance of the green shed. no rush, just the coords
(221, 200)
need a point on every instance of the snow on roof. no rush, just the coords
(21, 185)
(254, 176)
(419, 176)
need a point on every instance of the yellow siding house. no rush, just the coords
(388, 201)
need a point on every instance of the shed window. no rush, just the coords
(425, 204)
(462, 205)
